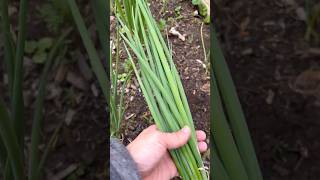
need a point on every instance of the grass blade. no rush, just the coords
(99, 8)
(18, 104)
(218, 170)
(8, 174)
(8, 47)
(47, 150)
(92, 52)
(38, 115)
(3, 157)
(223, 138)
(234, 112)
(11, 143)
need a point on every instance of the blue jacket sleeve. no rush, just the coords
(122, 166)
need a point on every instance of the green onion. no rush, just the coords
(117, 105)
(38, 114)
(94, 58)
(160, 82)
(230, 133)
(10, 141)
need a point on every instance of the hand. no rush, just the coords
(150, 151)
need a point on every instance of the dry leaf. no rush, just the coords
(174, 32)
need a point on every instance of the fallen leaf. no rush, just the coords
(301, 13)
(53, 91)
(77, 81)
(84, 68)
(290, 2)
(174, 32)
(203, 65)
(281, 170)
(315, 51)
(69, 116)
(12, 10)
(246, 52)
(94, 90)
(206, 88)
(61, 73)
(129, 116)
(243, 27)
(5, 79)
(308, 83)
(64, 173)
(270, 97)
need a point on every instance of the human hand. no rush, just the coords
(150, 151)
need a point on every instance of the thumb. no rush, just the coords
(176, 139)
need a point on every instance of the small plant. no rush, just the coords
(313, 22)
(117, 105)
(99, 8)
(162, 24)
(177, 12)
(55, 14)
(39, 49)
(164, 6)
(204, 8)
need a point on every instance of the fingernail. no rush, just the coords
(186, 130)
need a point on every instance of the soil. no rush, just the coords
(276, 72)
(75, 108)
(83, 143)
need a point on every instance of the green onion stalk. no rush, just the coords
(159, 81)
(234, 155)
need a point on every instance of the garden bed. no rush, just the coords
(270, 61)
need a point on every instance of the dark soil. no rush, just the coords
(277, 78)
(81, 144)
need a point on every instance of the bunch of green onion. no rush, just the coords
(160, 82)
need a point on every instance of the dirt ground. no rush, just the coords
(277, 76)
(73, 100)
(82, 144)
